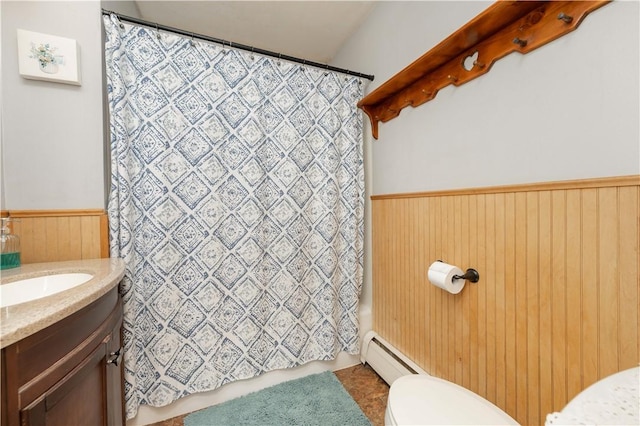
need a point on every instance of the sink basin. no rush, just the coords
(39, 287)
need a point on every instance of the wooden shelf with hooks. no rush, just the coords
(503, 28)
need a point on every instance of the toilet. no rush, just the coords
(420, 399)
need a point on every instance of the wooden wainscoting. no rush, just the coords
(55, 235)
(556, 307)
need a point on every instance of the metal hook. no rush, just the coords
(115, 18)
(520, 42)
(193, 43)
(158, 32)
(564, 17)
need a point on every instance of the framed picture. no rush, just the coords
(47, 57)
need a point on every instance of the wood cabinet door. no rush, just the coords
(77, 399)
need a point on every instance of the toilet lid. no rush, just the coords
(422, 399)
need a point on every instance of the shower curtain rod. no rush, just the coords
(235, 45)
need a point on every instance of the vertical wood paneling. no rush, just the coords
(47, 236)
(556, 307)
(573, 259)
(500, 301)
(629, 276)
(521, 294)
(589, 280)
(608, 279)
(545, 303)
(510, 296)
(472, 292)
(558, 299)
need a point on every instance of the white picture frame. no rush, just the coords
(47, 57)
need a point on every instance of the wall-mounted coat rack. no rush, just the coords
(504, 27)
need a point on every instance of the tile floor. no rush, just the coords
(364, 385)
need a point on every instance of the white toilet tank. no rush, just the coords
(425, 400)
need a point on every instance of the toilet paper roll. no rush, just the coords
(441, 275)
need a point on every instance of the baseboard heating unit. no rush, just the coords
(386, 360)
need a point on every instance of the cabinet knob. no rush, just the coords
(114, 357)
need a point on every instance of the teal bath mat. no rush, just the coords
(318, 399)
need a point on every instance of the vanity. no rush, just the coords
(62, 354)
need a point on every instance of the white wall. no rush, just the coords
(52, 133)
(568, 110)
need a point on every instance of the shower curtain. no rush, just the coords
(237, 202)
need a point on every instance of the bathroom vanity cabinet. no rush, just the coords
(69, 373)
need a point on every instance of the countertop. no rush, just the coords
(22, 320)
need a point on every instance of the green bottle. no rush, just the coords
(10, 256)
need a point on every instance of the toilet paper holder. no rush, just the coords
(471, 274)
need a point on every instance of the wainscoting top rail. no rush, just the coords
(631, 180)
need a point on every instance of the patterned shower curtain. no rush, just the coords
(237, 202)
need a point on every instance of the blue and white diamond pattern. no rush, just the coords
(212, 169)
(233, 109)
(269, 117)
(212, 85)
(231, 68)
(228, 315)
(143, 50)
(301, 120)
(166, 257)
(192, 105)
(149, 144)
(232, 193)
(165, 347)
(206, 338)
(251, 94)
(230, 271)
(169, 79)
(233, 153)
(247, 331)
(251, 133)
(191, 190)
(189, 62)
(247, 291)
(148, 97)
(148, 190)
(189, 234)
(283, 212)
(230, 232)
(186, 362)
(172, 123)
(208, 296)
(284, 100)
(193, 146)
(163, 303)
(214, 128)
(189, 276)
(249, 252)
(237, 204)
(252, 172)
(267, 78)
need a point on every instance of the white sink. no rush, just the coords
(39, 287)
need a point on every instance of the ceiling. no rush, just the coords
(311, 30)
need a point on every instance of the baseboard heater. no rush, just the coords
(385, 359)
